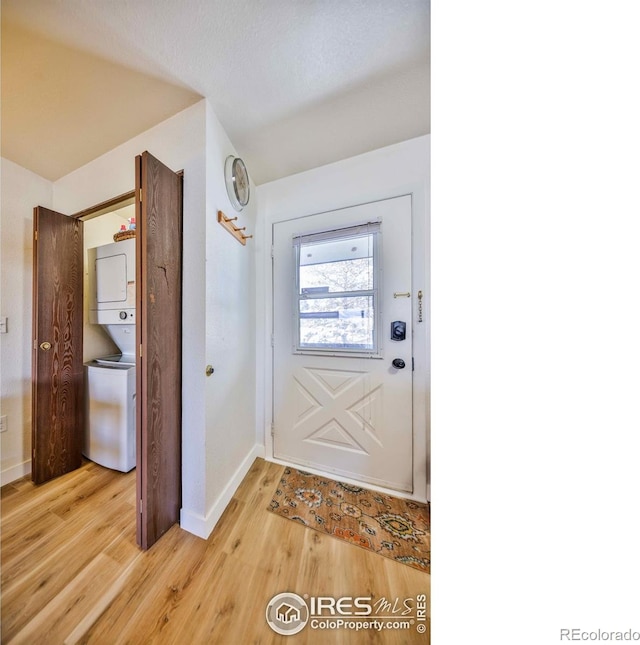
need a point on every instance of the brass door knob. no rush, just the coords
(46, 346)
(209, 370)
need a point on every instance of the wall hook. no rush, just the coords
(227, 223)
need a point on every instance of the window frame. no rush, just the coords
(336, 234)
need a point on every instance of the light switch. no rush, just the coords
(3, 325)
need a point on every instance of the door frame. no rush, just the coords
(126, 199)
(421, 348)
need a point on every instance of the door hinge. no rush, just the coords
(35, 235)
(140, 351)
(272, 251)
(272, 341)
(140, 511)
(273, 429)
(413, 364)
(141, 194)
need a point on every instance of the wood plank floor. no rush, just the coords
(72, 573)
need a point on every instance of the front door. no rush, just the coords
(342, 342)
(57, 370)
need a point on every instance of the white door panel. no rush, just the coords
(341, 412)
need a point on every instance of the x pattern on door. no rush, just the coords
(340, 409)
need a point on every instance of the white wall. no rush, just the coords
(391, 171)
(230, 337)
(21, 191)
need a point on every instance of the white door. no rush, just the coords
(341, 281)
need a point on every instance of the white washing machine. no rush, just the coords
(110, 437)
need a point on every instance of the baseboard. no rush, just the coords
(203, 526)
(15, 472)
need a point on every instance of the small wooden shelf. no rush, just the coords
(228, 223)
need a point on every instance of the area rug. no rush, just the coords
(393, 527)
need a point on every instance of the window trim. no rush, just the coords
(368, 228)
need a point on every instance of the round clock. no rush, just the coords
(237, 181)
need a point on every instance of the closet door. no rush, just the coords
(57, 369)
(159, 336)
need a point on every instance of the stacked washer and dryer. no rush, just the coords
(110, 437)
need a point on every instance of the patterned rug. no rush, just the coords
(396, 528)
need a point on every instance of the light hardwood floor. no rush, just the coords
(72, 573)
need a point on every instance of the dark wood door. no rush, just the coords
(57, 369)
(159, 336)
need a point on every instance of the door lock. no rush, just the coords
(398, 330)
(46, 346)
(398, 363)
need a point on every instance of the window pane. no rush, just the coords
(332, 266)
(341, 323)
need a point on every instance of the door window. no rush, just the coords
(337, 290)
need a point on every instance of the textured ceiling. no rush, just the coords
(295, 83)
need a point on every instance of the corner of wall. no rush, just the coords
(203, 525)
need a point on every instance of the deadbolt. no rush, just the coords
(46, 346)
(398, 363)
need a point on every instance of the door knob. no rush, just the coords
(46, 346)
(398, 363)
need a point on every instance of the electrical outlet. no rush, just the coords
(3, 423)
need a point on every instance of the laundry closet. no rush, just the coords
(109, 321)
(108, 383)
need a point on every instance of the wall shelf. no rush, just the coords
(228, 223)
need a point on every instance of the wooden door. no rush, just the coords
(159, 336)
(57, 369)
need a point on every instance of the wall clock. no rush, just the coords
(237, 181)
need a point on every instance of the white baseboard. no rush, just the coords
(15, 472)
(203, 526)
